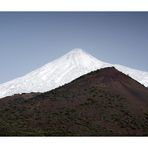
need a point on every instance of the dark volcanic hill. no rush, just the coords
(104, 102)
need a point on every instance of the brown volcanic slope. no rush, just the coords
(105, 102)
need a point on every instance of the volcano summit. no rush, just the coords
(62, 71)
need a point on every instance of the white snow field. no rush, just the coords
(61, 71)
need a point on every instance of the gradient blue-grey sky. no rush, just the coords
(29, 40)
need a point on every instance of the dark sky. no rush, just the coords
(30, 40)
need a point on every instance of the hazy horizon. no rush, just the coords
(29, 40)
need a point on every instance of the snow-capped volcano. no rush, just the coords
(61, 71)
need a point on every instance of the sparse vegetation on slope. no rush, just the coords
(102, 103)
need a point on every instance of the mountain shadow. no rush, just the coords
(105, 102)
